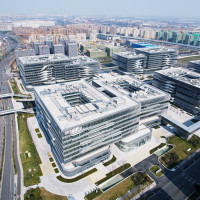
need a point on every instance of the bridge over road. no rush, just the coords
(12, 111)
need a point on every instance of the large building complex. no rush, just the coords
(158, 58)
(130, 62)
(153, 101)
(82, 118)
(82, 122)
(194, 65)
(183, 85)
(47, 69)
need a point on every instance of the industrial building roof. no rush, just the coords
(182, 75)
(76, 103)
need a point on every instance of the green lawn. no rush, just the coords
(42, 194)
(14, 86)
(179, 152)
(22, 87)
(31, 168)
(65, 180)
(93, 195)
(139, 178)
(155, 168)
(187, 59)
(110, 161)
(156, 148)
(113, 173)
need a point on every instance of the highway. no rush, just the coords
(7, 184)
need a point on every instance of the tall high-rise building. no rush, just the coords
(58, 48)
(44, 49)
(24, 52)
(71, 49)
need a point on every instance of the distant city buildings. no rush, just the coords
(179, 37)
(24, 52)
(71, 49)
(44, 50)
(33, 23)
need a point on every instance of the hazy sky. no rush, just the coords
(146, 8)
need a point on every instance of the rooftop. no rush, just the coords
(43, 58)
(76, 103)
(126, 85)
(130, 54)
(182, 75)
(55, 58)
(155, 50)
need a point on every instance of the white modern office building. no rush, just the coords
(158, 58)
(130, 62)
(52, 68)
(153, 102)
(183, 85)
(83, 118)
(82, 122)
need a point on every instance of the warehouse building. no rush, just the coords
(183, 85)
(130, 62)
(82, 121)
(158, 58)
(48, 69)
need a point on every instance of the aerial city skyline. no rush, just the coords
(99, 100)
